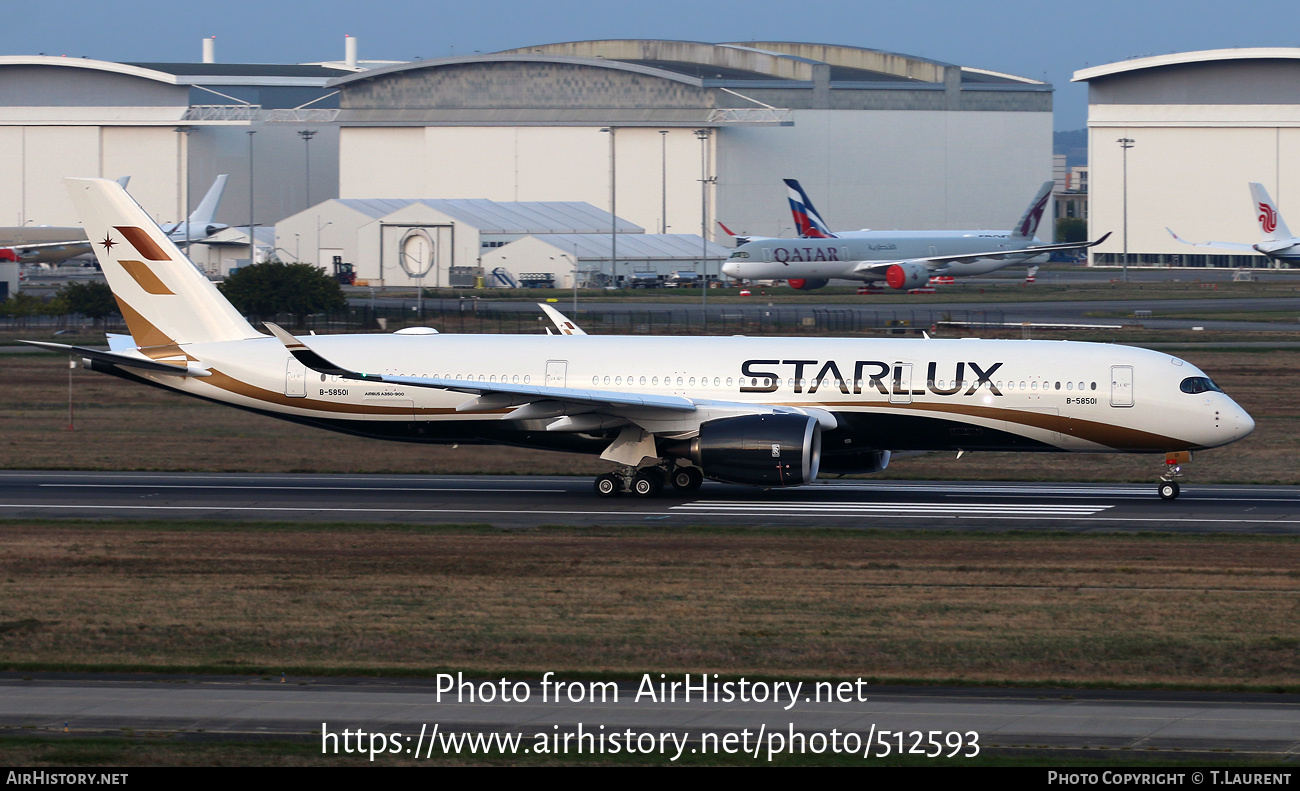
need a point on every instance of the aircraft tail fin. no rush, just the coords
(1027, 225)
(165, 300)
(206, 211)
(807, 221)
(1270, 220)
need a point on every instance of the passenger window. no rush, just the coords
(1058, 385)
(717, 381)
(1094, 385)
(595, 380)
(1033, 385)
(1069, 385)
(729, 381)
(654, 380)
(692, 381)
(606, 380)
(679, 381)
(618, 380)
(526, 379)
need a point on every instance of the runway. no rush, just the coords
(532, 501)
(1160, 724)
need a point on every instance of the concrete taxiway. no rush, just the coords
(530, 501)
(413, 714)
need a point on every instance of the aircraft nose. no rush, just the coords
(731, 269)
(1243, 423)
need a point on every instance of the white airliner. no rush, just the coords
(760, 411)
(903, 259)
(45, 244)
(1277, 243)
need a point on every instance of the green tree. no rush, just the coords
(93, 300)
(263, 290)
(1071, 229)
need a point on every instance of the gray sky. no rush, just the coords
(1042, 40)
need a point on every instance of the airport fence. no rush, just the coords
(478, 318)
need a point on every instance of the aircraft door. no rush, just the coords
(1121, 385)
(767, 254)
(901, 392)
(295, 379)
(556, 373)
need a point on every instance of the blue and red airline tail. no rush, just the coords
(807, 221)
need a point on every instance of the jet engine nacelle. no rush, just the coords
(908, 274)
(807, 283)
(759, 450)
(214, 228)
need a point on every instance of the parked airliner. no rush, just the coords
(759, 411)
(1276, 243)
(44, 244)
(903, 259)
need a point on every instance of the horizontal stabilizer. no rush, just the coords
(124, 360)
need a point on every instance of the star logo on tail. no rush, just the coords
(108, 243)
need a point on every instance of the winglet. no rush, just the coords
(562, 322)
(311, 359)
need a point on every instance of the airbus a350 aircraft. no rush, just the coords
(759, 411)
(52, 245)
(903, 259)
(1277, 243)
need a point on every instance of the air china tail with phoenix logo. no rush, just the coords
(1276, 242)
(660, 410)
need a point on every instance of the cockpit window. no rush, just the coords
(740, 254)
(1198, 384)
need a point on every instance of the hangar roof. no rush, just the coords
(1180, 58)
(650, 247)
(704, 63)
(511, 217)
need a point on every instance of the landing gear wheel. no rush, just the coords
(1168, 490)
(609, 485)
(687, 479)
(649, 482)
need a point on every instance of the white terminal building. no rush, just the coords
(667, 136)
(1199, 126)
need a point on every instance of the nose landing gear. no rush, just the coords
(1168, 488)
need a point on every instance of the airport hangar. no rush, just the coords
(881, 140)
(1202, 125)
(171, 127)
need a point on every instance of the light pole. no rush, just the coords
(613, 205)
(320, 227)
(663, 156)
(186, 131)
(705, 181)
(1125, 143)
(307, 135)
(252, 241)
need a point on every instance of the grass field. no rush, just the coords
(123, 426)
(1009, 608)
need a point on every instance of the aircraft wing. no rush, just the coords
(937, 263)
(1245, 248)
(652, 412)
(497, 394)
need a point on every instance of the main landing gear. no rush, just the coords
(648, 481)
